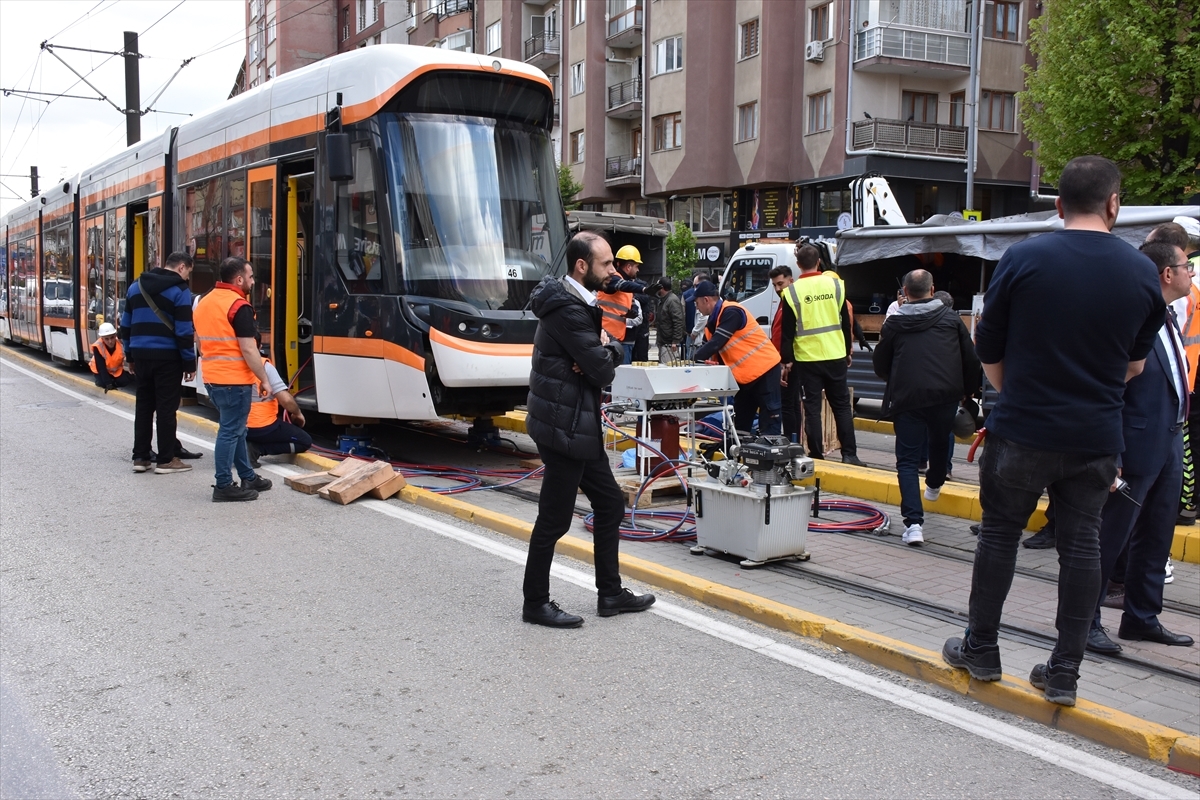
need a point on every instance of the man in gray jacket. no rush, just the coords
(668, 322)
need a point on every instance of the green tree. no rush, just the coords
(568, 187)
(681, 253)
(1119, 79)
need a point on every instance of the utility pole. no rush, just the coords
(972, 109)
(133, 91)
(33, 182)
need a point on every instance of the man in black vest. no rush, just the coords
(573, 359)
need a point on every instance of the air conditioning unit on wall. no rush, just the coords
(814, 51)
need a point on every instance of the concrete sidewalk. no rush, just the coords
(1150, 715)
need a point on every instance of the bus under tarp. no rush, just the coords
(644, 233)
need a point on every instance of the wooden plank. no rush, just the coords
(530, 463)
(356, 484)
(346, 467)
(350, 468)
(389, 488)
(310, 483)
(663, 491)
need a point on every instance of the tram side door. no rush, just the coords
(294, 275)
(260, 252)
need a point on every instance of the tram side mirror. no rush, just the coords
(338, 163)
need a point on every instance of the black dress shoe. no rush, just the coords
(258, 483)
(975, 529)
(550, 615)
(188, 454)
(1098, 642)
(1042, 540)
(624, 603)
(853, 461)
(1157, 633)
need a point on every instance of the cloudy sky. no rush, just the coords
(63, 137)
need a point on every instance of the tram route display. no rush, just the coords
(399, 292)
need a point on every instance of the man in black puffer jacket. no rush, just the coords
(573, 360)
(926, 356)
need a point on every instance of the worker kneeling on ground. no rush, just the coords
(108, 360)
(734, 335)
(267, 432)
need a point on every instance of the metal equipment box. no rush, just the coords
(747, 522)
(672, 383)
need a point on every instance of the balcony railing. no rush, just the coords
(622, 166)
(939, 48)
(449, 8)
(630, 18)
(625, 92)
(910, 137)
(540, 44)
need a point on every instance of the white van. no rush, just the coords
(747, 278)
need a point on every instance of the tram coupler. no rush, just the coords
(483, 433)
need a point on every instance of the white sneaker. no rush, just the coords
(913, 535)
(1170, 571)
(932, 494)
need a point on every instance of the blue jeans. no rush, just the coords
(233, 405)
(918, 430)
(1011, 481)
(628, 352)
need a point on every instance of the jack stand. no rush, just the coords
(483, 433)
(356, 441)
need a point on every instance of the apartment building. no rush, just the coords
(749, 118)
(743, 119)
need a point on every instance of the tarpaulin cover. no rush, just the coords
(987, 240)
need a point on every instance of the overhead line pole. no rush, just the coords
(133, 91)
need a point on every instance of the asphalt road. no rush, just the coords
(155, 644)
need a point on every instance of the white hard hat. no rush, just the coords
(107, 329)
(1189, 224)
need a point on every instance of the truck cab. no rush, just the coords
(747, 278)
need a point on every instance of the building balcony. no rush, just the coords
(925, 53)
(625, 29)
(910, 137)
(542, 50)
(448, 8)
(622, 170)
(625, 99)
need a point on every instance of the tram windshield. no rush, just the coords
(475, 207)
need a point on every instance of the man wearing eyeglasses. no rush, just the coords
(1141, 521)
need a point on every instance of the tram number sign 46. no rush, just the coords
(512, 273)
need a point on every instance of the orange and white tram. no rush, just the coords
(398, 205)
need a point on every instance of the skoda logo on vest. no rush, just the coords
(812, 298)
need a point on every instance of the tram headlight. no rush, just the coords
(486, 330)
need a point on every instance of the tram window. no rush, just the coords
(359, 244)
(152, 234)
(95, 271)
(110, 267)
(204, 230)
(57, 297)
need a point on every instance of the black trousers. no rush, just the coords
(159, 385)
(563, 477)
(792, 415)
(759, 399)
(114, 381)
(279, 437)
(828, 377)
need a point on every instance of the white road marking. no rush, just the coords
(1032, 744)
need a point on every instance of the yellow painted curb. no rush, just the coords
(1185, 755)
(885, 426)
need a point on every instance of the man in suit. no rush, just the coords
(1156, 406)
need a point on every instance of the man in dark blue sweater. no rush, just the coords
(157, 333)
(1068, 318)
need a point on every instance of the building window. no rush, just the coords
(577, 147)
(345, 23)
(458, 41)
(578, 12)
(271, 72)
(958, 107)
(819, 110)
(362, 16)
(491, 38)
(271, 31)
(668, 55)
(577, 85)
(378, 39)
(919, 107)
(747, 122)
(997, 111)
(668, 132)
(748, 40)
(1001, 20)
(818, 27)
(374, 11)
